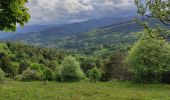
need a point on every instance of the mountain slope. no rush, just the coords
(25, 29)
(69, 29)
(117, 35)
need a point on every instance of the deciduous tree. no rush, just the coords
(13, 12)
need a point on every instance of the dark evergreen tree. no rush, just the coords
(7, 67)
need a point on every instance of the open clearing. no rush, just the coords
(12, 90)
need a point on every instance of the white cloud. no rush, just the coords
(75, 6)
(61, 11)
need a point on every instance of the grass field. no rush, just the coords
(12, 90)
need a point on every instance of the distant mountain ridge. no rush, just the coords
(80, 27)
(86, 42)
(25, 29)
(66, 30)
(85, 34)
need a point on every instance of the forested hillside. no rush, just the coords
(85, 50)
(16, 57)
(108, 38)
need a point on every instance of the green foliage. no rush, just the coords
(23, 66)
(114, 68)
(37, 66)
(32, 54)
(148, 58)
(19, 57)
(19, 78)
(42, 72)
(165, 77)
(70, 70)
(30, 75)
(101, 42)
(52, 65)
(2, 75)
(87, 64)
(57, 73)
(49, 74)
(158, 9)
(7, 67)
(94, 74)
(13, 12)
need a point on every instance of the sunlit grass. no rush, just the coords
(82, 91)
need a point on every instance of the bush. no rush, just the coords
(30, 75)
(148, 57)
(165, 77)
(52, 64)
(94, 74)
(7, 67)
(2, 75)
(70, 70)
(23, 66)
(49, 75)
(57, 74)
(18, 77)
(114, 68)
(87, 64)
(37, 66)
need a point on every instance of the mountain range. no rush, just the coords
(64, 29)
(78, 36)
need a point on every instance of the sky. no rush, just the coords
(68, 11)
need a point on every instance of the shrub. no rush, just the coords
(87, 64)
(30, 75)
(2, 75)
(57, 73)
(165, 77)
(52, 64)
(36, 66)
(23, 66)
(114, 68)
(48, 73)
(148, 57)
(2, 55)
(94, 74)
(7, 67)
(18, 77)
(70, 70)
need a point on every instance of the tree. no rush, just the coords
(148, 65)
(149, 58)
(7, 67)
(159, 9)
(57, 73)
(94, 74)
(52, 65)
(23, 66)
(36, 66)
(114, 68)
(13, 12)
(48, 73)
(70, 70)
(2, 74)
(39, 69)
(30, 75)
(87, 64)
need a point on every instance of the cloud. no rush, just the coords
(63, 11)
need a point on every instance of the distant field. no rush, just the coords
(83, 91)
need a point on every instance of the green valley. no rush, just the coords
(84, 49)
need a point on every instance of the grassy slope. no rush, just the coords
(83, 91)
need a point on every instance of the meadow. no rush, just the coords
(12, 90)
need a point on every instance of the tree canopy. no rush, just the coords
(13, 13)
(159, 9)
(149, 58)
